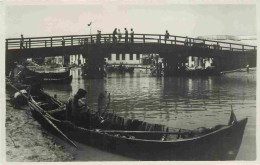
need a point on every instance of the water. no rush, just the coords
(178, 102)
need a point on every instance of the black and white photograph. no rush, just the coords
(142, 80)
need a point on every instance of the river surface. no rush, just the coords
(178, 102)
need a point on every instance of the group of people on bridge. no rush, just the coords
(116, 38)
(119, 36)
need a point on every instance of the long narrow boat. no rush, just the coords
(141, 140)
(48, 75)
(66, 80)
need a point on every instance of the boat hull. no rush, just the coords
(48, 75)
(66, 80)
(222, 144)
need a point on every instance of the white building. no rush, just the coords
(194, 62)
(129, 59)
(74, 59)
(125, 58)
(55, 59)
(77, 59)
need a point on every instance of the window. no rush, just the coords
(117, 56)
(131, 56)
(123, 56)
(137, 56)
(109, 56)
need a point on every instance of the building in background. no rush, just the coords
(124, 58)
(73, 59)
(77, 59)
(131, 59)
(199, 62)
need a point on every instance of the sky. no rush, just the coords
(38, 19)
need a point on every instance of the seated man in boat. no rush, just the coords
(73, 107)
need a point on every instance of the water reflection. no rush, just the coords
(179, 102)
(66, 87)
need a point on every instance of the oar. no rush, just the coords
(48, 120)
(138, 132)
(52, 124)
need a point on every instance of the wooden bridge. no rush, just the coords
(97, 46)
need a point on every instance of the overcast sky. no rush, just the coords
(178, 19)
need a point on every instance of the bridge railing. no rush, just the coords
(74, 40)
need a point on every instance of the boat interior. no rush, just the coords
(109, 122)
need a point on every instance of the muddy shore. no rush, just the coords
(27, 141)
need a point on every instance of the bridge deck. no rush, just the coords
(58, 41)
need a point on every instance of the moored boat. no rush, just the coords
(130, 69)
(141, 140)
(66, 80)
(120, 69)
(49, 75)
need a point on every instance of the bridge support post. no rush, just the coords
(66, 60)
(174, 63)
(94, 63)
(171, 64)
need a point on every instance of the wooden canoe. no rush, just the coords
(66, 80)
(49, 75)
(218, 143)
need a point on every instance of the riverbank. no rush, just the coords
(27, 141)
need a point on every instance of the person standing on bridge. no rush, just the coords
(132, 35)
(114, 35)
(119, 35)
(186, 41)
(126, 36)
(99, 37)
(166, 36)
(22, 42)
(63, 41)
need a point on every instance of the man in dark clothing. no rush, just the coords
(186, 41)
(63, 41)
(132, 35)
(99, 37)
(126, 36)
(73, 108)
(114, 35)
(22, 42)
(166, 36)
